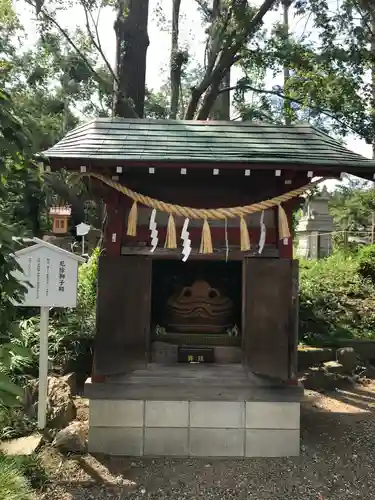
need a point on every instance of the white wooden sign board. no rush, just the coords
(82, 229)
(50, 275)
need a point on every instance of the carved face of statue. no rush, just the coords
(199, 308)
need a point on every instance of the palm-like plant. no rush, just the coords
(14, 147)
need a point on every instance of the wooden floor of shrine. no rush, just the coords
(193, 382)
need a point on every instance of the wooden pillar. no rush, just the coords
(115, 225)
(286, 250)
(113, 234)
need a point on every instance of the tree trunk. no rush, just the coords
(176, 61)
(221, 107)
(131, 48)
(287, 105)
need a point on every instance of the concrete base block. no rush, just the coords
(272, 415)
(116, 413)
(166, 442)
(272, 443)
(188, 428)
(126, 441)
(167, 414)
(220, 414)
(216, 443)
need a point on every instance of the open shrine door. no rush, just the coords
(270, 317)
(123, 314)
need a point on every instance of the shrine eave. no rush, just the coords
(132, 143)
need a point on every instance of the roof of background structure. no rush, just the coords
(163, 141)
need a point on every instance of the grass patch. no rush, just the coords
(20, 476)
(31, 467)
(13, 484)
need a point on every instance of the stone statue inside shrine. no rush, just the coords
(199, 308)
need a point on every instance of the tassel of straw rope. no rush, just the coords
(206, 241)
(132, 221)
(195, 213)
(284, 231)
(245, 238)
(171, 240)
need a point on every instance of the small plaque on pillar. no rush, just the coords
(196, 355)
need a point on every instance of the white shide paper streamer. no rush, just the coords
(154, 232)
(186, 242)
(262, 239)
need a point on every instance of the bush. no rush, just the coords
(13, 484)
(31, 467)
(366, 262)
(14, 423)
(336, 301)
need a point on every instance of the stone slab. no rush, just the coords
(116, 413)
(21, 446)
(166, 442)
(214, 414)
(272, 415)
(167, 414)
(120, 441)
(217, 443)
(272, 443)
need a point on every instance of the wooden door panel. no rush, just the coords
(269, 325)
(123, 314)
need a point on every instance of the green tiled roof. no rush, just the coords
(144, 140)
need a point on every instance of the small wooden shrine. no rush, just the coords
(60, 218)
(196, 340)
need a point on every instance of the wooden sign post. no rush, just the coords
(50, 275)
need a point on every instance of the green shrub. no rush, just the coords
(14, 423)
(13, 484)
(335, 300)
(366, 262)
(31, 467)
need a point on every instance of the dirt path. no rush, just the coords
(336, 463)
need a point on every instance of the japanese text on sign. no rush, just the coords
(50, 276)
(62, 276)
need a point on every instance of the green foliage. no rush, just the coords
(13, 484)
(31, 467)
(335, 300)
(14, 422)
(352, 205)
(366, 262)
(14, 142)
(87, 283)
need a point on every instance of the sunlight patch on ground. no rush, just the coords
(345, 402)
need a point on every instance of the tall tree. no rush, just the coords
(131, 48)
(229, 34)
(177, 59)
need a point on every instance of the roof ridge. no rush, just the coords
(80, 127)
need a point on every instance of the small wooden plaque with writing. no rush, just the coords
(196, 355)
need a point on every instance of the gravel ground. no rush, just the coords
(336, 463)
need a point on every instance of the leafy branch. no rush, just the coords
(46, 16)
(225, 56)
(277, 93)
